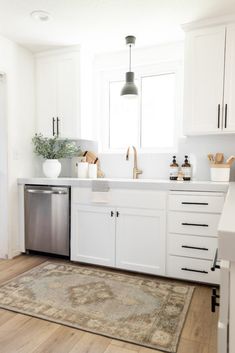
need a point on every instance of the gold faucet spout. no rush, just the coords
(136, 171)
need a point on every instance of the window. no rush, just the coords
(148, 122)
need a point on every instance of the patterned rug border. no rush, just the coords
(143, 276)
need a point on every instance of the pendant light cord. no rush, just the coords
(130, 58)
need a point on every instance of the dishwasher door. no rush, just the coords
(47, 217)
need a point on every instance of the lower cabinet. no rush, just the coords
(93, 235)
(132, 239)
(193, 219)
(135, 238)
(140, 240)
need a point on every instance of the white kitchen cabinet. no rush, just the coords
(93, 235)
(209, 85)
(57, 94)
(204, 75)
(140, 240)
(193, 219)
(126, 231)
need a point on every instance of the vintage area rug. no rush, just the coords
(136, 309)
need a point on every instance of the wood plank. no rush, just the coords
(114, 349)
(91, 343)
(122, 344)
(61, 340)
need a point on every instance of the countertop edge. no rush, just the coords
(144, 184)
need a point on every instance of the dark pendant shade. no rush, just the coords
(129, 87)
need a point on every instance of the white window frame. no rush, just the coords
(106, 77)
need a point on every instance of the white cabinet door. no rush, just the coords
(68, 96)
(140, 240)
(229, 85)
(45, 95)
(204, 75)
(93, 235)
(57, 95)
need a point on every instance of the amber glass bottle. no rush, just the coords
(186, 169)
(174, 169)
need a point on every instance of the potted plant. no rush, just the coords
(52, 149)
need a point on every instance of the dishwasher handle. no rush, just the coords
(50, 192)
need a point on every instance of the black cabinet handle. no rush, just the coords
(194, 224)
(117, 214)
(215, 266)
(111, 213)
(218, 125)
(195, 203)
(53, 126)
(57, 126)
(193, 247)
(192, 270)
(225, 116)
(214, 303)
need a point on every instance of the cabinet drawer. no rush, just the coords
(148, 199)
(192, 269)
(193, 223)
(189, 202)
(192, 246)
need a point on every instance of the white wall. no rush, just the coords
(3, 170)
(18, 65)
(157, 165)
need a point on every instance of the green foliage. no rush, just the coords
(53, 148)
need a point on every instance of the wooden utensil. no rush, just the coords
(219, 158)
(230, 160)
(211, 157)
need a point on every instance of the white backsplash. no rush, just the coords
(157, 165)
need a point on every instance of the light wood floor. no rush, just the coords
(23, 334)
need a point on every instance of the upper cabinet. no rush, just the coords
(209, 81)
(58, 94)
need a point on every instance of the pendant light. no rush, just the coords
(129, 89)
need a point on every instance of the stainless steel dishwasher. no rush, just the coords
(47, 215)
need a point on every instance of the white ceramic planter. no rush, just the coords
(51, 168)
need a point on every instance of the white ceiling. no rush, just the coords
(103, 24)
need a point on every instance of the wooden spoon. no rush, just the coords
(230, 160)
(219, 158)
(211, 157)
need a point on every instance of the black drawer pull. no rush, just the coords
(193, 247)
(225, 114)
(194, 224)
(53, 126)
(214, 303)
(195, 203)
(191, 270)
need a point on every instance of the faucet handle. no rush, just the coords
(136, 172)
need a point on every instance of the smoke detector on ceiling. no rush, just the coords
(41, 16)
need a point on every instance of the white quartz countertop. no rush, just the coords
(155, 184)
(226, 229)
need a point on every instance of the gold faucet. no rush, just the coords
(136, 171)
